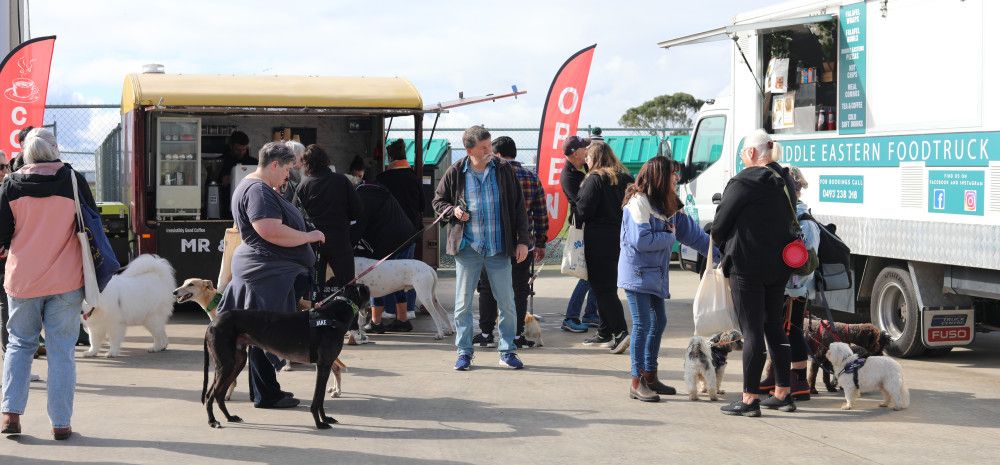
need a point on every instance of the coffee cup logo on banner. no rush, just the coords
(24, 80)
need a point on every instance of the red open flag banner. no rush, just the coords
(24, 81)
(560, 118)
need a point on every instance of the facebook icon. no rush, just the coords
(939, 199)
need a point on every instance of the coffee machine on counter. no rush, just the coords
(178, 168)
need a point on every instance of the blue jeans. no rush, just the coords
(649, 319)
(468, 266)
(60, 316)
(576, 300)
(389, 301)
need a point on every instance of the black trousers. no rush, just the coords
(601, 249)
(340, 260)
(264, 387)
(759, 303)
(796, 338)
(520, 274)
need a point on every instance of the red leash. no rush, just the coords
(376, 264)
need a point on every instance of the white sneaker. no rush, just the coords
(35, 377)
(411, 315)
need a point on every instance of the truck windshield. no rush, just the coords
(707, 144)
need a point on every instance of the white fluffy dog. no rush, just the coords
(402, 275)
(699, 369)
(139, 295)
(879, 373)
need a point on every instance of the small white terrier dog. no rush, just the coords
(879, 373)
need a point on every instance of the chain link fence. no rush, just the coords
(80, 130)
(88, 139)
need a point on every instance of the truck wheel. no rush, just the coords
(894, 310)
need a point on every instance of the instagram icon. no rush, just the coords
(970, 201)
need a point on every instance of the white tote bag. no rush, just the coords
(91, 291)
(713, 301)
(573, 261)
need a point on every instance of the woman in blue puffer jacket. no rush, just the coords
(651, 222)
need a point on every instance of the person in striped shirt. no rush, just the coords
(538, 224)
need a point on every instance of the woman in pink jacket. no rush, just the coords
(43, 279)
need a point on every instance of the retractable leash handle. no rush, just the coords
(376, 264)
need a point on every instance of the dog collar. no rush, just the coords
(354, 306)
(214, 303)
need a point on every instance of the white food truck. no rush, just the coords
(885, 107)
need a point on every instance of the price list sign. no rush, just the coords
(851, 69)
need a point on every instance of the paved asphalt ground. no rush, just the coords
(403, 404)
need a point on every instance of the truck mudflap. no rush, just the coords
(943, 327)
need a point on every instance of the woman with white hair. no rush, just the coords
(752, 225)
(43, 278)
(295, 174)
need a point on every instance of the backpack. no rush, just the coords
(834, 272)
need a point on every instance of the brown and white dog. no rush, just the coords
(865, 339)
(204, 293)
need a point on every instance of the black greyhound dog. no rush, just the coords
(315, 336)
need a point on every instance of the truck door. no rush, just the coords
(704, 177)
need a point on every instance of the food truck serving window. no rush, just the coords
(800, 80)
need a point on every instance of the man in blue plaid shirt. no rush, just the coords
(480, 197)
(538, 224)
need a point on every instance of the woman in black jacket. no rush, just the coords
(599, 207)
(381, 230)
(331, 204)
(753, 224)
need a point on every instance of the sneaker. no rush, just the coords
(484, 340)
(619, 342)
(510, 360)
(399, 327)
(597, 340)
(572, 326)
(785, 405)
(464, 362)
(592, 322)
(523, 343)
(375, 328)
(35, 377)
(411, 315)
(740, 409)
(388, 315)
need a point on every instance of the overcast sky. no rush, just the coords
(442, 47)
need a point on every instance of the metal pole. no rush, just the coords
(433, 128)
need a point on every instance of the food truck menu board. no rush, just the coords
(178, 167)
(852, 66)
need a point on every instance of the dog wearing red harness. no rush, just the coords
(865, 339)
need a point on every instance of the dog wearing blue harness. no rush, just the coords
(857, 375)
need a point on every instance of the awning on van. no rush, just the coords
(729, 31)
(221, 92)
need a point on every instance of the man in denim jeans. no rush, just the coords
(487, 225)
(575, 169)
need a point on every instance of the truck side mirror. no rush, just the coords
(687, 173)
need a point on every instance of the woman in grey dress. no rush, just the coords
(271, 266)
